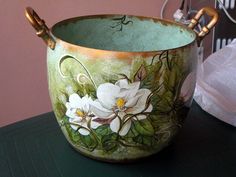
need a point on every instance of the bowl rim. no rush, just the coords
(155, 19)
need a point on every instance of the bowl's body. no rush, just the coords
(124, 104)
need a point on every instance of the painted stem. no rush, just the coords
(86, 70)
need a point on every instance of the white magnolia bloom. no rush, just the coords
(119, 99)
(78, 111)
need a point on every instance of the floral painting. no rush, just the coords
(124, 114)
(117, 104)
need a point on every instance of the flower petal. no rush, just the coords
(134, 86)
(121, 114)
(70, 113)
(149, 109)
(68, 105)
(76, 120)
(106, 94)
(132, 101)
(99, 110)
(94, 124)
(123, 83)
(141, 102)
(125, 129)
(83, 131)
(85, 103)
(129, 91)
(115, 125)
(141, 117)
(75, 100)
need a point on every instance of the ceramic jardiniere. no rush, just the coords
(121, 86)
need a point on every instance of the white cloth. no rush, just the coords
(216, 84)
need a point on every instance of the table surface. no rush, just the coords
(205, 147)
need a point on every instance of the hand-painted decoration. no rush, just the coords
(120, 86)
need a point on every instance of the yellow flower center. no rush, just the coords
(120, 102)
(80, 113)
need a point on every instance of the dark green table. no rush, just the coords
(205, 147)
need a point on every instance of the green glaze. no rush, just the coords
(124, 33)
(117, 106)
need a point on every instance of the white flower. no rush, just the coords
(78, 111)
(119, 100)
(187, 89)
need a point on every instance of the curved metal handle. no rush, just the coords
(206, 29)
(41, 28)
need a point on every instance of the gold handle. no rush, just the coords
(41, 28)
(206, 29)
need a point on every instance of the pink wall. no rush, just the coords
(23, 77)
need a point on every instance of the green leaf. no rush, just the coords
(165, 103)
(103, 130)
(138, 139)
(110, 143)
(132, 132)
(153, 75)
(60, 109)
(169, 96)
(111, 78)
(74, 136)
(89, 142)
(90, 90)
(144, 127)
(149, 141)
